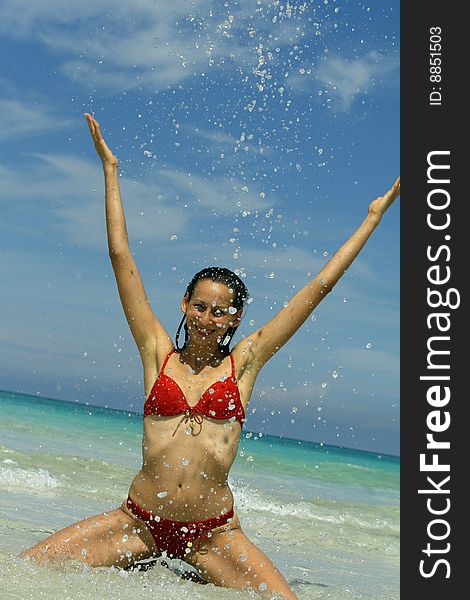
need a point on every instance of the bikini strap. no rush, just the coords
(166, 360)
(233, 366)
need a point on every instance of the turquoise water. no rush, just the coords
(328, 517)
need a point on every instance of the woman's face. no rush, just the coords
(210, 312)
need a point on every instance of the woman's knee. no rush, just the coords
(232, 560)
(49, 549)
(110, 539)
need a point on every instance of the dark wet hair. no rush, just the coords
(233, 282)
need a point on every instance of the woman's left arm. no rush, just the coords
(261, 345)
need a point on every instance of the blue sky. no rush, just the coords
(251, 135)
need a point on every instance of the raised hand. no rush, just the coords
(107, 157)
(378, 206)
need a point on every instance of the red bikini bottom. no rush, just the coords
(177, 537)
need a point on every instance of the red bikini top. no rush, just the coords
(220, 401)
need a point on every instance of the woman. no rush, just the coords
(180, 502)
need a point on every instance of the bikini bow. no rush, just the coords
(197, 530)
(193, 415)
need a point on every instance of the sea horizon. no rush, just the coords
(378, 454)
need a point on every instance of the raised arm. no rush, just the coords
(261, 345)
(145, 327)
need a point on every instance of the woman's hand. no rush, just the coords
(378, 207)
(107, 157)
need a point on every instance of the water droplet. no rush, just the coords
(162, 494)
(335, 374)
(369, 345)
(324, 384)
(125, 538)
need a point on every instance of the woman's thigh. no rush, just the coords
(110, 539)
(230, 559)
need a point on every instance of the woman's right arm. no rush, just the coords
(149, 334)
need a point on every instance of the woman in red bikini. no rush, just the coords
(180, 504)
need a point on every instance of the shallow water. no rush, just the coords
(327, 517)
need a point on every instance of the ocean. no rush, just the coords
(328, 517)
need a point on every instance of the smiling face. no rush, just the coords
(210, 312)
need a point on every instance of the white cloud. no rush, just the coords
(20, 118)
(72, 188)
(347, 78)
(114, 63)
(292, 263)
(229, 146)
(215, 136)
(224, 195)
(50, 179)
(21, 18)
(119, 45)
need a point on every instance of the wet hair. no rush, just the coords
(240, 293)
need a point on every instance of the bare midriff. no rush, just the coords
(184, 475)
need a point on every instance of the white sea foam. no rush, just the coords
(35, 480)
(255, 501)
